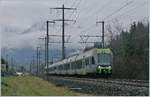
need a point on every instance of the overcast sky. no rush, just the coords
(18, 15)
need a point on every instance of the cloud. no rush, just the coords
(21, 41)
(18, 15)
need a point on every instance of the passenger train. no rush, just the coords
(94, 61)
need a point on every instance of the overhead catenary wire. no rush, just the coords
(116, 11)
(77, 15)
(95, 12)
(74, 2)
(78, 3)
(111, 14)
(72, 6)
(128, 11)
(91, 25)
(101, 8)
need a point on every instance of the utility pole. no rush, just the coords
(63, 26)
(12, 63)
(39, 57)
(33, 62)
(63, 32)
(47, 42)
(103, 44)
(37, 60)
(30, 67)
(45, 53)
(7, 67)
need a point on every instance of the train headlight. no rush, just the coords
(109, 67)
(99, 67)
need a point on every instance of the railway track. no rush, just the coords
(101, 86)
(136, 83)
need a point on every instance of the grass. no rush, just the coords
(32, 86)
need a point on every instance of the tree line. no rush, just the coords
(131, 52)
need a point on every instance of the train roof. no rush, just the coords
(85, 54)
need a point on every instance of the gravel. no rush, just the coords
(100, 88)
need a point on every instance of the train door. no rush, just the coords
(83, 62)
(84, 65)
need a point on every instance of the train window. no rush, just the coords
(66, 66)
(104, 59)
(87, 61)
(74, 65)
(63, 67)
(51, 69)
(59, 67)
(70, 64)
(79, 64)
(93, 61)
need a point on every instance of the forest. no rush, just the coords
(131, 52)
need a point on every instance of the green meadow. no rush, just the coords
(32, 86)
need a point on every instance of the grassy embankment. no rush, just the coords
(32, 86)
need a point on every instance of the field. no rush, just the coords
(32, 86)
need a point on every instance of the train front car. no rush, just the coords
(104, 61)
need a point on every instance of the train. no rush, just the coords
(96, 61)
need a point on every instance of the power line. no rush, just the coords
(77, 16)
(128, 3)
(110, 14)
(74, 3)
(91, 14)
(95, 12)
(101, 8)
(78, 3)
(130, 10)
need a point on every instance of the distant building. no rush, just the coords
(19, 73)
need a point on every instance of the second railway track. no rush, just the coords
(107, 87)
(136, 83)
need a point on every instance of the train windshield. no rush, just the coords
(104, 59)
